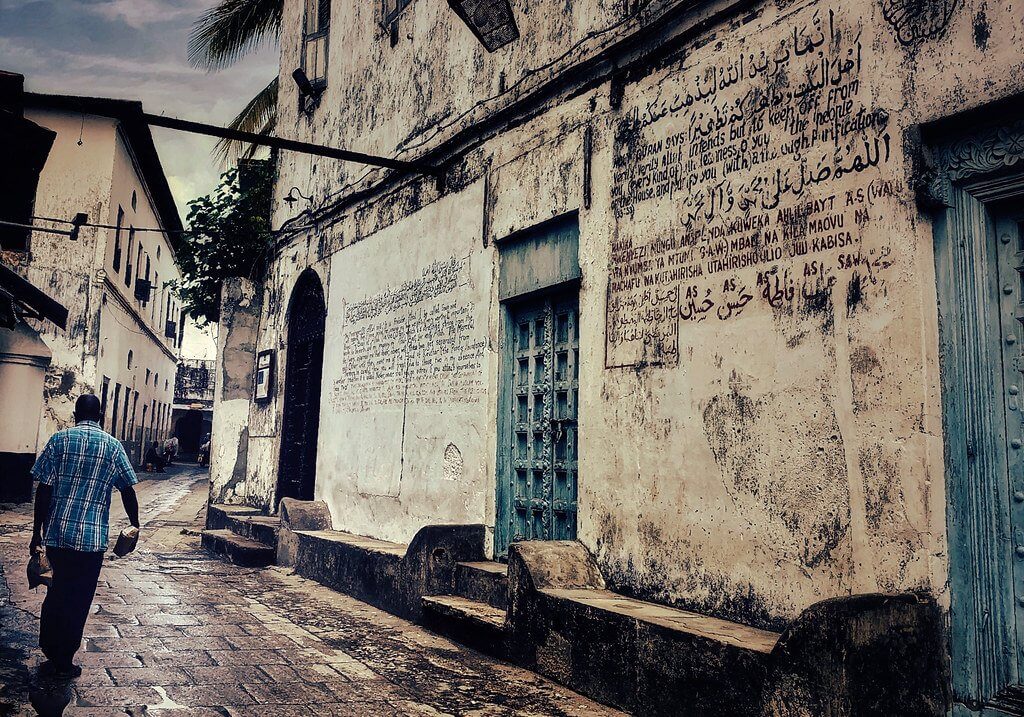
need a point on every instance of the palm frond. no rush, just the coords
(259, 116)
(232, 28)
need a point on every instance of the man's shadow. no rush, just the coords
(49, 696)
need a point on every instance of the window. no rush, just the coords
(314, 41)
(135, 406)
(117, 238)
(156, 287)
(138, 260)
(131, 358)
(147, 376)
(146, 301)
(135, 200)
(103, 400)
(391, 10)
(128, 260)
(113, 414)
(124, 413)
(158, 253)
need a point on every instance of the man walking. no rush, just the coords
(76, 472)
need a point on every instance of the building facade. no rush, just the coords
(122, 336)
(24, 357)
(727, 291)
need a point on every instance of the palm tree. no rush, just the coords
(219, 38)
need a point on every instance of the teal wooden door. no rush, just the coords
(1009, 232)
(537, 481)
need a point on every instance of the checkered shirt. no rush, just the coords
(82, 465)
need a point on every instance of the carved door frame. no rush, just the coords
(972, 174)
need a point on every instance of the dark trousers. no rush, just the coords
(67, 603)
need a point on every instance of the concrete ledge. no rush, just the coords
(387, 575)
(297, 515)
(862, 655)
(641, 657)
(843, 657)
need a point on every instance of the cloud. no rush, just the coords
(133, 49)
(140, 13)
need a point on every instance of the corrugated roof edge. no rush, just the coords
(129, 113)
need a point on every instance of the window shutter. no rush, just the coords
(324, 14)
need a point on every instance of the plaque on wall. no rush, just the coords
(264, 375)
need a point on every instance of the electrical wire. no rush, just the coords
(110, 226)
(441, 127)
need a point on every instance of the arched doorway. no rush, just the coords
(300, 427)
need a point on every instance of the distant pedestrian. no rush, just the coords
(153, 460)
(76, 471)
(170, 449)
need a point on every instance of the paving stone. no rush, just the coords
(209, 695)
(176, 658)
(307, 673)
(150, 631)
(289, 693)
(116, 696)
(216, 630)
(154, 676)
(194, 643)
(168, 619)
(246, 657)
(233, 674)
(107, 659)
(262, 642)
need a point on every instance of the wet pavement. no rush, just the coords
(174, 632)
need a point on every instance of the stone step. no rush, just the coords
(237, 549)
(461, 612)
(485, 581)
(261, 528)
(244, 520)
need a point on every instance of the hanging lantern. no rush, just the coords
(491, 21)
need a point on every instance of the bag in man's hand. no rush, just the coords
(126, 541)
(38, 570)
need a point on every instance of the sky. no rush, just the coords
(136, 49)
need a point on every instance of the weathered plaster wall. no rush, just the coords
(236, 358)
(760, 418)
(405, 431)
(76, 178)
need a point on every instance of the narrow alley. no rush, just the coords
(175, 632)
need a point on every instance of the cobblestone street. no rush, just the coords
(174, 632)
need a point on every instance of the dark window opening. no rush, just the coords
(103, 400)
(117, 239)
(113, 414)
(128, 259)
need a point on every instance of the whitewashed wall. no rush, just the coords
(405, 430)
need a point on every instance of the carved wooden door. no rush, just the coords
(540, 376)
(303, 369)
(1010, 252)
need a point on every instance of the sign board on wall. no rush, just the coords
(264, 375)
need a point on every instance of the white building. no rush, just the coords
(121, 341)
